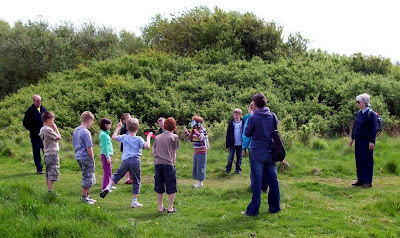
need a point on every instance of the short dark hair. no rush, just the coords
(170, 124)
(259, 99)
(103, 123)
(47, 115)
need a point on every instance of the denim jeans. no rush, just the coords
(133, 165)
(232, 150)
(199, 166)
(260, 164)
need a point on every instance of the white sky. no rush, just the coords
(337, 26)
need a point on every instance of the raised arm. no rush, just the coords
(116, 132)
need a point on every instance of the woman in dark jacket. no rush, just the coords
(364, 133)
(260, 128)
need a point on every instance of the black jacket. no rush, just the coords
(230, 133)
(33, 120)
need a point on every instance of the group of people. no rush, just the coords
(253, 133)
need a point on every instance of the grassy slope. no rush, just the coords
(313, 206)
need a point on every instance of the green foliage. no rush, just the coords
(370, 64)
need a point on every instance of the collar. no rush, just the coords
(365, 109)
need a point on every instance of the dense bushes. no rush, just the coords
(312, 96)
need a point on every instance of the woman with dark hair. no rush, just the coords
(260, 127)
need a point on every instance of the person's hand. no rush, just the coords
(195, 131)
(371, 146)
(109, 160)
(54, 126)
(119, 125)
(351, 143)
(243, 153)
(150, 134)
(185, 130)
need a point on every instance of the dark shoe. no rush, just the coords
(358, 183)
(272, 212)
(227, 171)
(128, 181)
(367, 185)
(238, 171)
(40, 172)
(104, 193)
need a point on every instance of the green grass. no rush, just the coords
(317, 197)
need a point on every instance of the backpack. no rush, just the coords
(379, 126)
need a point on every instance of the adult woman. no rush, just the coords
(260, 127)
(364, 133)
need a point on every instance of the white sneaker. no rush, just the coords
(198, 185)
(113, 188)
(136, 204)
(91, 199)
(87, 201)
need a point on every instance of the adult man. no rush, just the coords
(260, 128)
(33, 122)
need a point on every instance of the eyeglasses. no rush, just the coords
(358, 102)
(39, 101)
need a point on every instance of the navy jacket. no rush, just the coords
(260, 127)
(230, 133)
(365, 126)
(33, 120)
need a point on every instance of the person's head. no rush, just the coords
(170, 124)
(160, 122)
(259, 100)
(125, 116)
(237, 114)
(37, 100)
(87, 118)
(251, 108)
(132, 125)
(48, 118)
(363, 100)
(197, 122)
(105, 124)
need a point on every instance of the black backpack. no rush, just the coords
(379, 126)
(278, 151)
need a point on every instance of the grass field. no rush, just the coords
(317, 198)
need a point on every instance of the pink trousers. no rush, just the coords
(106, 171)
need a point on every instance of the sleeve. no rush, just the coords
(227, 136)
(245, 139)
(120, 138)
(27, 121)
(51, 133)
(103, 144)
(87, 139)
(176, 142)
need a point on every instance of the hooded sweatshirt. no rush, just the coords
(260, 128)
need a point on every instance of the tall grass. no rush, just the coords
(317, 197)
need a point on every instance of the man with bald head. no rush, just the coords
(33, 122)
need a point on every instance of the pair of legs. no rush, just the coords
(37, 145)
(364, 161)
(199, 169)
(132, 165)
(88, 178)
(232, 150)
(165, 181)
(262, 165)
(106, 171)
(52, 170)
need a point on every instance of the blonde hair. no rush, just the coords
(237, 111)
(132, 124)
(161, 119)
(125, 115)
(86, 116)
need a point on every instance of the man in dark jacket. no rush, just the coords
(260, 128)
(33, 122)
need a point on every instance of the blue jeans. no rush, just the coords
(199, 166)
(133, 165)
(260, 164)
(232, 150)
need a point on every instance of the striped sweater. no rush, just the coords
(198, 141)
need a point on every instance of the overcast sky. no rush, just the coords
(337, 26)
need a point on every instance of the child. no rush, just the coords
(82, 141)
(164, 153)
(50, 136)
(197, 135)
(160, 122)
(133, 146)
(124, 118)
(234, 141)
(106, 150)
